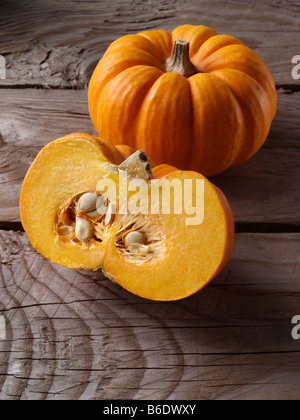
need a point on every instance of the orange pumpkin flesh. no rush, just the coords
(176, 260)
(192, 99)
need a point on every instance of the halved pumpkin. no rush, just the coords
(78, 211)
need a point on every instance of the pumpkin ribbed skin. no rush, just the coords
(208, 122)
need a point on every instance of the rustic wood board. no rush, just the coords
(57, 44)
(75, 335)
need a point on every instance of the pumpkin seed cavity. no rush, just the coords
(90, 218)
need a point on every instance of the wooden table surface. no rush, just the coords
(75, 335)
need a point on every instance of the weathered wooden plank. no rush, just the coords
(266, 188)
(75, 335)
(29, 120)
(32, 118)
(285, 128)
(57, 44)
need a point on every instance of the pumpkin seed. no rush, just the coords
(100, 208)
(66, 231)
(83, 229)
(88, 202)
(138, 249)
(93, 214)
(134, 238)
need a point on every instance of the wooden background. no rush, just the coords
(75, 335)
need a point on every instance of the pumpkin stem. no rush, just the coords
(180, 61)
(137, 166)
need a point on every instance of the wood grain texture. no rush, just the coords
(75, 335)
(57, 44)
(35, 117)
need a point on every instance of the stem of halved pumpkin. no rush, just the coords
(137, 166)
(180, 61)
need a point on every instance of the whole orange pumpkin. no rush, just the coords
(192, 99)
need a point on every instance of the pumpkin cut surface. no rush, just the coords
(191, 98)
(74, 221)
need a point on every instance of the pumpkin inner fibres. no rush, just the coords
(138, 238)
(90, 217)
